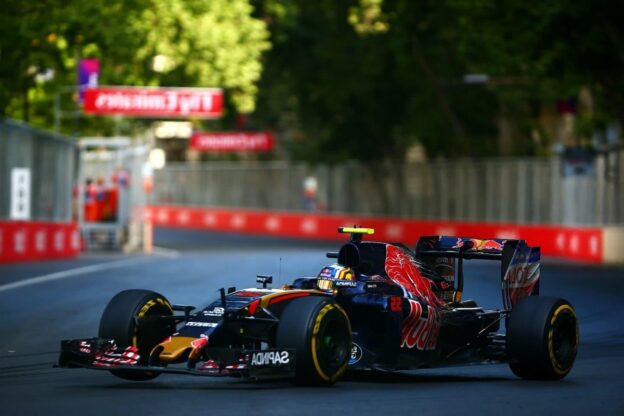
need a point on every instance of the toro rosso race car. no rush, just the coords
(380, 306)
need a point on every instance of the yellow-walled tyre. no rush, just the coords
(119, 322)
(542, 338)
(320, 332)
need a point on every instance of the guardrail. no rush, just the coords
(590, 244)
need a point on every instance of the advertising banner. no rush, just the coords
(22, 241)
(20, 194)
(233, 142)
(88, 74)
(154, 102)
(577, 243)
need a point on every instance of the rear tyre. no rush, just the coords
(319, 331)
(119, 322)
(542, 338)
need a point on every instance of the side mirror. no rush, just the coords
(264, 280)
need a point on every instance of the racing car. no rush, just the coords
(377, 306)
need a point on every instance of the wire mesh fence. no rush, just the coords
(524, 191)
(52, 162)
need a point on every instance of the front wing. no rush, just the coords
(103, 354)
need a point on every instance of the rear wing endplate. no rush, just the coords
(520, 263)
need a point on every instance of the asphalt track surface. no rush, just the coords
(36, 314)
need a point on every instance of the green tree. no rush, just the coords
(352, 80)
(194, 43)
(365, 79)
(540, 52)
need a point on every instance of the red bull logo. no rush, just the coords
(420, 332)
(475, 244)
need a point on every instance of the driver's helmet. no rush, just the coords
(333, 272)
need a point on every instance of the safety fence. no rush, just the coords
(518, 191)
(51, 161)
(37, 179)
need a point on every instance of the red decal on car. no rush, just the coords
(402, 270)
(247, 294)
(396, 304)
(286, 297)
(253, 306)
(420, 332)
(199, 343)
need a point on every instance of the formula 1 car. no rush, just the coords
(380, 306)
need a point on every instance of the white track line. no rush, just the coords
(166, 252)
(70, 273)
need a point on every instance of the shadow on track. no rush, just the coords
(406, 378)
(352, 377)
(243, 385)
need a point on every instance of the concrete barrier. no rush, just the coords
(613, 245)
(590, 244)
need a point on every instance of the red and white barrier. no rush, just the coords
(30, 240)
(577, 243)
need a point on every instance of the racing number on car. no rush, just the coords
(396, 304)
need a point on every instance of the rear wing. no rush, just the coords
(520, 263)
(467, 248)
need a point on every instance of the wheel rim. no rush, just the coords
(564, 340)
(333, 345)
(152, 333)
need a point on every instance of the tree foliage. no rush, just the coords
(352, 79)
(366, 79)
(548, 51)
(200, 43)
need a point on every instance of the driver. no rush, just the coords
(333, 272)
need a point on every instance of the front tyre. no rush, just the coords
(542, 338)
(319, 331)
(131, 319)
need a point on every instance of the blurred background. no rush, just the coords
(287, 117)
(232, 137)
